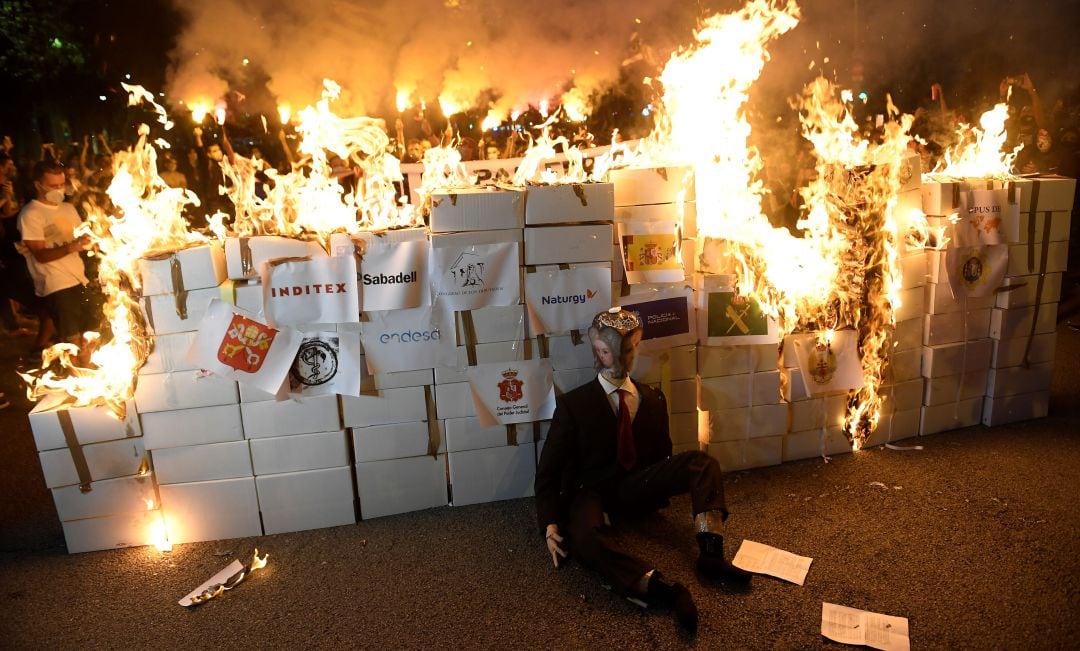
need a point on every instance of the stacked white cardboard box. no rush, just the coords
(663, 196)
(190, 419)
(1023, 321)
(494, 463)
(96, 467)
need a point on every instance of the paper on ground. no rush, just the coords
(854, 626)
(763, 559)
(220, 577)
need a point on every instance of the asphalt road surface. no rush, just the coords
(973, 539)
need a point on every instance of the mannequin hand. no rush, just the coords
(553, 539)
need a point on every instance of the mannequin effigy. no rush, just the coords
(609, 452)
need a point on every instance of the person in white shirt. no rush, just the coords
(47, 225)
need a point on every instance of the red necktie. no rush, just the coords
(626, 455)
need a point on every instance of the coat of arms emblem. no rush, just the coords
(822, 363)
(246, 344)
(510, 389)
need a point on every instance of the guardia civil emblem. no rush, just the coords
(822, 361)
(510, 388)
(246, 344)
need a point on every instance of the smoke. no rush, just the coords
(467, 52)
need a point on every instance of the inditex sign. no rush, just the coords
(322, 290)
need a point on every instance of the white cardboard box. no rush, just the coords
(397, 380)
(347, 243)
(826, 411)
(647, 185)
(492, 474)
(305, 416)
(565, 354)
(569, 203)
(480, 208)
(895, 426)
(1057, 258)
(683, 396)
(732, 391)
(183, 390)
(570, 379)
(499, 351)
(312, 499)
(680, 362)
(912, 303)
(464, 434)
(913, 270)
(903, 366)
(396, 441)
(567, 244)
(111, 532)
(403, 405)
(1016, 380)
(491, 324)
(942, 197)
(748, 453)
(169, 354)
(683, 429)
(202, 462)
(200, 267)
(163, 313)
(949, 416)
(908, 334)
(951, 359)
(454, 400)
(299, 452)
(903, 396)
(401, 485)
(131, 494)
(743, 422)
(170, 429)
(91, 424)
(684, 213)
(1010, 352)
(211, 510)
(950, 328)
(1055, 193)
(1026, 292)
(261, 248)
(951, 388)
(1012, 409)
(107, 460)
(718, 361)
(813, 443)
(1016, 322)
(1060, 223)
(939, 300)
(466, 238)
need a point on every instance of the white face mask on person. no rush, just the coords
(55, 196)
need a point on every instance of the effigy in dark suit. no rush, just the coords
(609, 452)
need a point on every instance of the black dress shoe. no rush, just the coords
(712, 563)
(674, 595)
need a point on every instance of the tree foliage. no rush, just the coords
(38, 42)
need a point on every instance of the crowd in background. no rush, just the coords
(1048, 134)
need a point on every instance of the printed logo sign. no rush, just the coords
(246, 344)
(471, 277)
(828, 365)
(651, 252)
(395, 276)
(822, 363)
(234, 344)
(512, 392)
(327, 363)
(407, 340)
(987, 217)
(322, 290)
(734, 315)
(666, 320)
(976, 271)
(566, 299)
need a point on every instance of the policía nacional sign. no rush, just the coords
(666, 320)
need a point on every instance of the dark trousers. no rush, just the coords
(690, 472)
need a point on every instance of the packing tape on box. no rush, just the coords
(434, 439)
(76, 451)
(468, 331)
(1031, 224)
(179, 293)
(227, 292)
(246, 263)
(149, 312)
(511, 434)
(579, 192)
(536, 431)
(1040, 284)
(543, 346)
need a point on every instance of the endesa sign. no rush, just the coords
(394, 276)
(407, 340)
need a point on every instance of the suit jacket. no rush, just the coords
(582, 444)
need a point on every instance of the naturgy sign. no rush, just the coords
(395, 276)
(566, 299)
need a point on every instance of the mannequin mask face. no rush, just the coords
(614, 355)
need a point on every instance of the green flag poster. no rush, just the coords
(734, 315)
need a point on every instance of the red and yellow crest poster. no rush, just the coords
(651, 252)
(245, 344)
